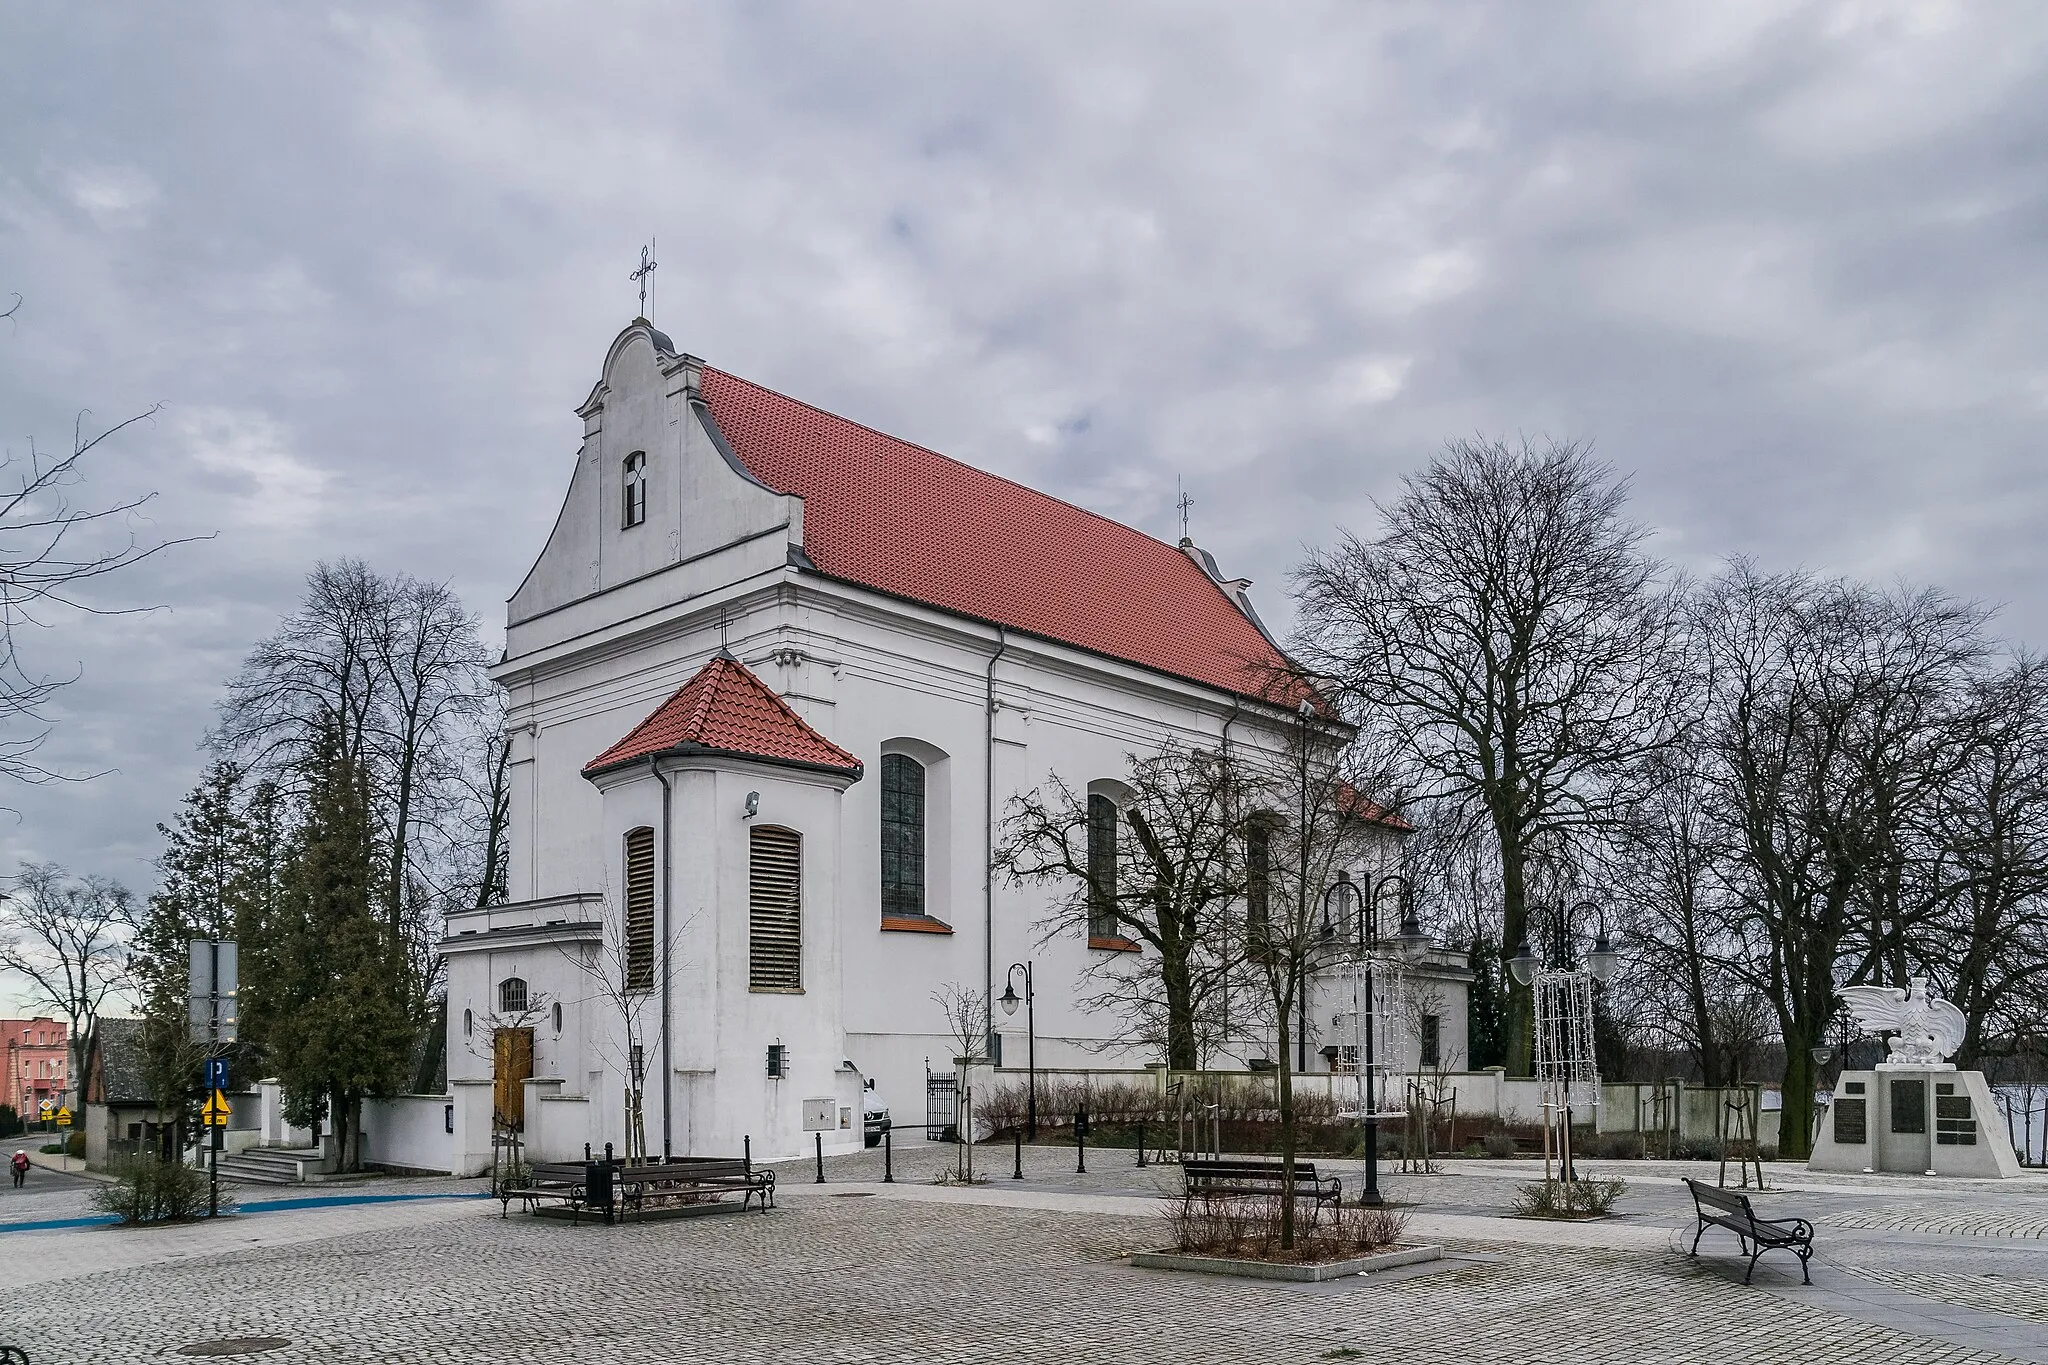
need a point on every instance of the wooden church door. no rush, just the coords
(511, 1068)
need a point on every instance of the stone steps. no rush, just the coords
(272, 1165)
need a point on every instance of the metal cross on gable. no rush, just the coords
(647, 267)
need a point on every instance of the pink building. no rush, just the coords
(38, 1064)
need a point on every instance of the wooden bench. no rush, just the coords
(691, 1180)
(1207, 1177)
(561, 1181)
(677, 1180)
(1721, 1208)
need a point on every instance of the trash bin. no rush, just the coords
(597, 1188)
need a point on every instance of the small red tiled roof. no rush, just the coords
(1371, 811)
(908, 521)
(725, 709)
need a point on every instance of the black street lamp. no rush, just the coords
(1008, 1000)
(1411, 939)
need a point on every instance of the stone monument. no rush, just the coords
(1915, 1113)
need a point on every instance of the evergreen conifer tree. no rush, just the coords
(326, 978)
(1485, 1021)
(212, 868)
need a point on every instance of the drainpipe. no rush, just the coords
(668, 1069)
(988, 876)
(1236, 710)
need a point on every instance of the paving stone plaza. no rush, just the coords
(854, 1270)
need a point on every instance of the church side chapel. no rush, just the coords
(772, 682)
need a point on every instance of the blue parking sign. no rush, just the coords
(216, 1073)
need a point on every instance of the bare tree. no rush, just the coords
(1306, 818)
(1164, 875)
(611, 969)
(1509, 624)
(1985, 938)
(394, 666)
(52, 550)
(1832, 714)
(966, 1012)
(67, 939)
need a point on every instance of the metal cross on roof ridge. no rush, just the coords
(647, 267)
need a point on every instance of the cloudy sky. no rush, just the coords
(1783, 263)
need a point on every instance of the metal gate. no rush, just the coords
(941, 1106)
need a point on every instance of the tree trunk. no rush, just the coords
(1520, 1001)
(1795, 1119)
(1287, 1138)
(1182, 1053)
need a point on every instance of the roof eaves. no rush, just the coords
(692, 749)
(991, 623)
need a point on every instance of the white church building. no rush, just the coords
(772, 681)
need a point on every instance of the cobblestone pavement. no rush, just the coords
(1970, 1222)
(850, 1272)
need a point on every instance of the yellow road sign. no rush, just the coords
(214, 1114)
(64, 1117)
(49, 1108)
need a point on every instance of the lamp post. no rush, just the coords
(1343, 903)
(1008, 1001)
(1559, 977)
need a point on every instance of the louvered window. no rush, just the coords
(902, 836)
(640, 909)
(775, 910)
(1102, 817)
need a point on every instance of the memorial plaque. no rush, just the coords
(1852, 1123)
(1909, 1105)
(1955, 1125)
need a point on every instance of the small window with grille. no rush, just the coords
(639, 924)
(512, 995)
(775, 917)
(1432, 1039)
(633, 490)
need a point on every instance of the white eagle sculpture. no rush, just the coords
(1929, 1029)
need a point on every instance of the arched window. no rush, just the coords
(512, 995)
(468, 1022)
(558, 1018)
(639, 926)
(1102, 821)
(633, 490)
(902, 837)
(775, 909)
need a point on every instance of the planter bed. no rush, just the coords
(1286, 1270)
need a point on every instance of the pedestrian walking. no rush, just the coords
(18, 1163)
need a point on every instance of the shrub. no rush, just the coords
(1611, 1146)
(10, 1122)
(1696, 1149)
(151, 1190)
(1248, 1227)
(1567, 1198)
(1498, 1144)
(75, 1145)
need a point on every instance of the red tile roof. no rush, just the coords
(910, 522)
(727, 710)
(1372, 812)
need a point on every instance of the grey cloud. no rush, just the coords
(1784, 263)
